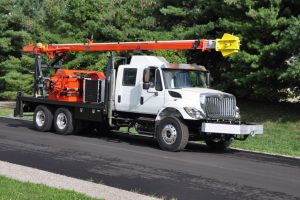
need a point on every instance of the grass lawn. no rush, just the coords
(281, 126)
(9, 112)
(6, 112)
(17, 190)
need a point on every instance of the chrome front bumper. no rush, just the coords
(234, 129)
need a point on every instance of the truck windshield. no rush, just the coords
(183, 78)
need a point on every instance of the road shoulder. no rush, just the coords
(32, 175)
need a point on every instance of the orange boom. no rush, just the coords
(227, 45)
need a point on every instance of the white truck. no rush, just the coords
(171, 103)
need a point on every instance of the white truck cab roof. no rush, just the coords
(158, 61)
(148, 61)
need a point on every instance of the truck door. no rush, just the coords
(152, 100)
(127, 90)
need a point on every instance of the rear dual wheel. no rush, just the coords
(63, 121)
(42, 118)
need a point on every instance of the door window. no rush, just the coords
(129, 76)
(152, 77)
(158, 84)
(155, 79)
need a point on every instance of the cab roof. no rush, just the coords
(185, 66)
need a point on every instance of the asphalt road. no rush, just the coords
(137, 164)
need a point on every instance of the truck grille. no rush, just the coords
(220, 107)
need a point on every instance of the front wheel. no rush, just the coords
(172, 134)
(218, 143)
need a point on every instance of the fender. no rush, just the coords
(172, 107)
(169, 111)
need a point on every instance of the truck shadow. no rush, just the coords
(202, 148)
(119, 137)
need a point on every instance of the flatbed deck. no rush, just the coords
(83, 111)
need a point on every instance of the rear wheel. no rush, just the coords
(218, 143)
(172, 134)
(63, 121)
(42, 118)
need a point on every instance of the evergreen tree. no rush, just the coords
(268, 64)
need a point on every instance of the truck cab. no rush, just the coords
(166, 85)
(177, 99)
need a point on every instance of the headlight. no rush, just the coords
(194, 113)
(237, 113)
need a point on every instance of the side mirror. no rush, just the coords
(146, 79)
(208, 79)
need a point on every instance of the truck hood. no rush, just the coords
(190, 97)
(197, 91)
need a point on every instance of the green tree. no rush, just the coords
(268, 63)
(14, 68)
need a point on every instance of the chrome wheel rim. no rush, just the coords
(169, 134)
(40, 118)
(61, 121)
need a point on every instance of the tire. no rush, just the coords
(63, 121)
(42, 118)
(172, 134)
(218, 144)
